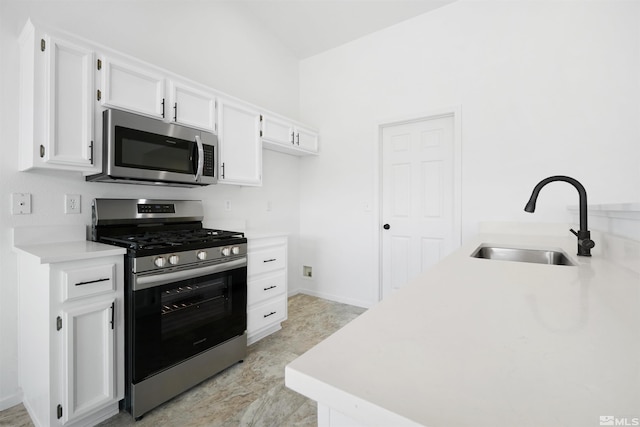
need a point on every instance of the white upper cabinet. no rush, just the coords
(239, 143)
(306, 139)
(67, 82)
(286, 136)
(127, 86)
(191, 106)
(277, 131)
(142, 89)
(56, 103)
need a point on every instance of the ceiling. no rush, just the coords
(309, 27)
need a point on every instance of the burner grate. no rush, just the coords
(170, 238)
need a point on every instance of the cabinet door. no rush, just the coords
(89, 380)
(277, 131)
(192, 107)
(69, 90)
(306, 139)
(133, 88)
(239, 142)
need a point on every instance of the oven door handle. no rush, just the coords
(157, 279)
(200, 157)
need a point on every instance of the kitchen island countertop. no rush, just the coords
(477, 342)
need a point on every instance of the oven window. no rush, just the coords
(174, 322)
(144, 150)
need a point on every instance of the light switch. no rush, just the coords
(20, 203)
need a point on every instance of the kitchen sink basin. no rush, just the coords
(537, 256)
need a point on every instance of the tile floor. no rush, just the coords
(250, 393)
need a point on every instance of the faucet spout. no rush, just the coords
(584, 236)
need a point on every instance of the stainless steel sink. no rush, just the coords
(537, 256)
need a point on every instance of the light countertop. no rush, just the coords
(477, 342)
(49, 253)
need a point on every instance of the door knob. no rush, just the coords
(386, 226)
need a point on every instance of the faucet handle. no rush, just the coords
(585, 244)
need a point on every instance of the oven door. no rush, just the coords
(179, 314)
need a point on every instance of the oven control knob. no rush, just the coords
(160, 261)
(235, 250)
(202, 255)
(226, 251)
(173, 259)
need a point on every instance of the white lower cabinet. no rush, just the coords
(71, 339)
(266, 286)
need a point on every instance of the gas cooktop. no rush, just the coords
(172, 239)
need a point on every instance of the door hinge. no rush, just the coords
(91, 152)
(58, 323)
(260, 133)
(260, 117)
(59, 411)
(99, 95)
(99, 64)
(42, 45)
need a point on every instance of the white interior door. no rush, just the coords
(418, 198)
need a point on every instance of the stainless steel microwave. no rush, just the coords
(141, 150)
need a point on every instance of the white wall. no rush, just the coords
(544, 88)
(207, 42)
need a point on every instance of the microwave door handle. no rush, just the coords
(200, 158)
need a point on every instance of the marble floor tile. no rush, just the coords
(246, 394)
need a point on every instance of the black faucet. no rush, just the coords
(584, 236)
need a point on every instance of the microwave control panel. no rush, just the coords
(208, 169)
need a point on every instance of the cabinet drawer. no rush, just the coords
(264, 288)
(265, 260)
(82, 282)
(266, 315)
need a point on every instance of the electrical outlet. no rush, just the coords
(20, 203)
(72, 203)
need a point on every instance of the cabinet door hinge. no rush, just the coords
(59, 411)
(99, 64)
(99, 95)
(42, 45)
(58, 323)
(91, 152)
(260, 117)
(260, 133)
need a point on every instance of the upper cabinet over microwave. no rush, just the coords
(141, 90)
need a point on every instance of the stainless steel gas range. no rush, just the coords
(185, 295)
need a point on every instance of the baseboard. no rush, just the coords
(335, 298)
(11, 401)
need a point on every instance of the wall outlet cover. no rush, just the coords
(72, 203)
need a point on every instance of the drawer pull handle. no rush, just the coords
(270, 314)
(269, 260)
(270, 287)
(93, 281)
